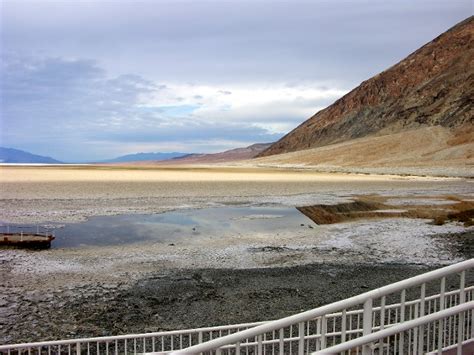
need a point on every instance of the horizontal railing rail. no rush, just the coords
(397, 329)
(366, 299)
(306, 332)
(114, 338)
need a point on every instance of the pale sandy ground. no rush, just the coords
(432, 151)
(41, 194)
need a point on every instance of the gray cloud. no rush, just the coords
(189, 130)
(226, 41)
(55, 102)
(53, 94)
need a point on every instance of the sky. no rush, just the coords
(91, 80)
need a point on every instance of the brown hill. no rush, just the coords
(227, 156)
(434, 86)
(431, 151)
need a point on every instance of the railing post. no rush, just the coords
(301, 340)
(367, 324)
(343, 325)
(441, 322)
(324, 328)
(259, 345)
(382, 321)
(421, 330)
(462, 299)
(401, 341)
(414, 341)
(318, 331)
(281, 341)
(78, 348)
(471, 332)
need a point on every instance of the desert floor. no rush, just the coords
(72, 193)
(67, 292)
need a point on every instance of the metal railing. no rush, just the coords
(33, 229)
(451, 321)
(355, 317)
(319, 329)
(157, 342)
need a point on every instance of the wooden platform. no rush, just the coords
(26, 240)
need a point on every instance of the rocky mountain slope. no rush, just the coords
(434, 86)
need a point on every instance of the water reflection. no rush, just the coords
(170, 227)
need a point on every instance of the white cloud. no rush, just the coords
(276, 108)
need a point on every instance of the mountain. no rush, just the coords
(10, 155)
(145, 157)
(432, 87)
(226, 156)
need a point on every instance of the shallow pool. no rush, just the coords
(170, 227)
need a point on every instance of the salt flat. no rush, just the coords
(72, 193)
(47, 284)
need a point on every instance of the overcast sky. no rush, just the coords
(86, 80)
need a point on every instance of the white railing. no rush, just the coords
(355, 318)
(158, 342)
(449, 321)
(358, 316)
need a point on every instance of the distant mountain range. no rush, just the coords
(145, 157)
(10, 155)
